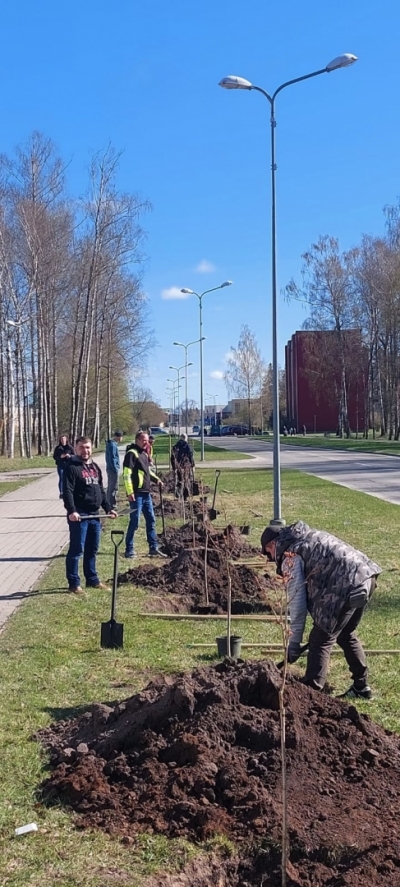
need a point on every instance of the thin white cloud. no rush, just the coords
(173, 293)
(217, 374)
(228, 356)
(205, 267)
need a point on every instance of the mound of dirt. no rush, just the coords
(181, 582)
(174, 508)
(200, 754)
(169, 483)
(195, 535)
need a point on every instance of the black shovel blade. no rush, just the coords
(112, 635)
(196, 488)
(213, 513)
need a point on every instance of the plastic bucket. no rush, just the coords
(222, 646)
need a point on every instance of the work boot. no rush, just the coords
(129, 557)
(357, 693)
(157, 553)
(100, 586)
(76, 590)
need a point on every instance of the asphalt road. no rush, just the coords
(370, 473)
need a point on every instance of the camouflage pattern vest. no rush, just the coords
(332, 569)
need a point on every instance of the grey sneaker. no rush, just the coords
(155, 552)
(129, 557)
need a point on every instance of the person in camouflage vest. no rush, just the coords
(333, 582)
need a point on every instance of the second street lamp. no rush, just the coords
(186, 375)
(178, 369)
(233, 82)
(201, 339)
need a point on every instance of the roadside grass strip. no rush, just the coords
(52, 667)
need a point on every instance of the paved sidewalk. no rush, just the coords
(33, 531)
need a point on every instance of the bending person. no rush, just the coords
(333, 582)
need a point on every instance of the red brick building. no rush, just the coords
(313, 380)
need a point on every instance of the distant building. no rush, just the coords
(234, 407)
(314, 386)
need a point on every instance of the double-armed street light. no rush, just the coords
(233, 82)
(178, 369)
(186, 375)
(201, 339)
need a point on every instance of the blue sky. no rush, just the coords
(145, 76)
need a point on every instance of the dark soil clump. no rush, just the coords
(168, 481)
(199, 755)
(180, 582)
(228, 540)
(174, 508)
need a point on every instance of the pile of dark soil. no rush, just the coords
(173, 508)
(227, 540)
(200, 754)
(169, 483)
(181, 582)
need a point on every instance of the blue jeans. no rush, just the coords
(60, 479)
(84, 538)
(143, 503)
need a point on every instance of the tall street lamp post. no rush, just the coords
(200, 298)
(231, 82)
(186, 375)
(178, 369)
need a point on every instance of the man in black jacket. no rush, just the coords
(83, 493)
(182, 464)
(138, 474)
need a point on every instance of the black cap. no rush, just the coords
(269, 535)
(118, 433)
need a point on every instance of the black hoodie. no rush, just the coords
(83, 487)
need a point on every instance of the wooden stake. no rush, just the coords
(251, 617)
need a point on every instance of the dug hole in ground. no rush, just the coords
(199, 754)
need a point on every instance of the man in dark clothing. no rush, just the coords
(138, 475)
(333, 582)
(182, 463)
(84, 494)
(61, 455)
(112, 467)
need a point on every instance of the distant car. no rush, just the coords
(239, 429)
(196, 429)
(199, 431)
(215, 431)
(158, 430)
(226, 429)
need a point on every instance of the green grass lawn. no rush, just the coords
(355, 445)
(211, 453)
(52, 665)
(17, 463)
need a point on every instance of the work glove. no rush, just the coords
(293, 652)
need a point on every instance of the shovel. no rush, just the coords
(212, 513)
(167, 548)
(112, 632)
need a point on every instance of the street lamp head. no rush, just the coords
(189, 364)
(188, 292)
(227, 283)
(342, 61)
(178, 343)
(233, 82)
